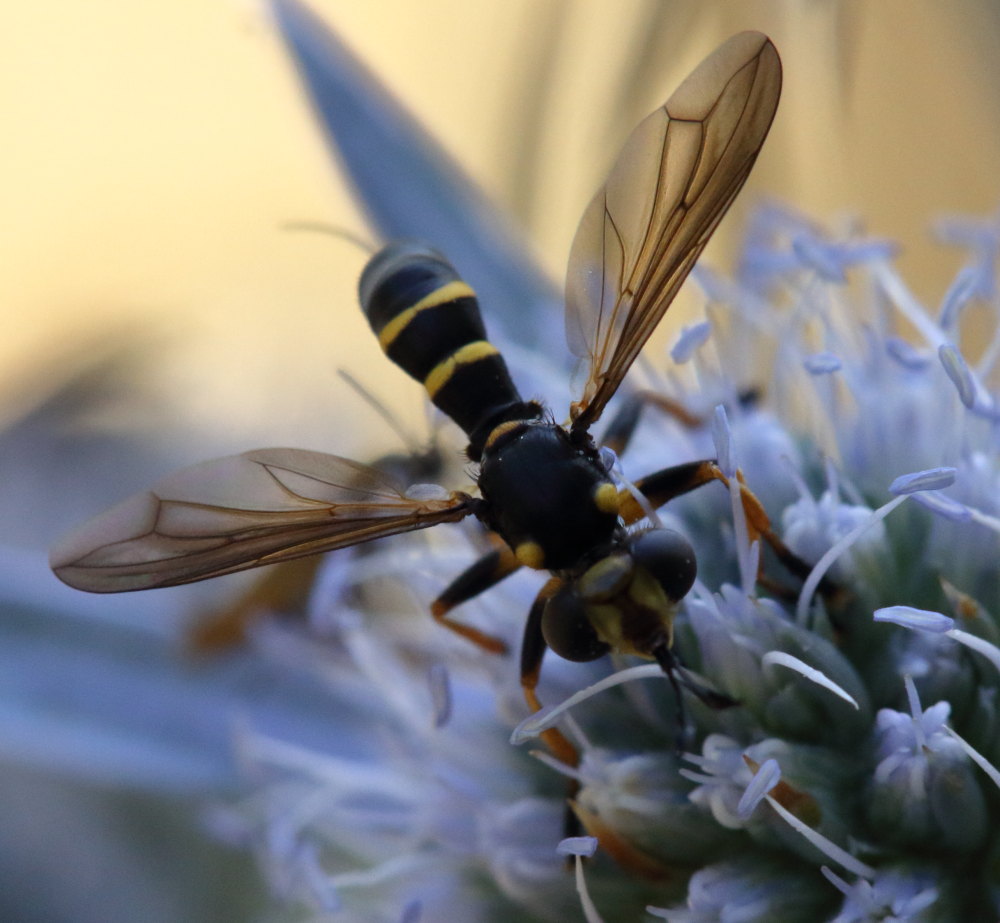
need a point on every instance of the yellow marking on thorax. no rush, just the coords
(606, 498)
(466, 355)
(498, 432)
(450, 291)
(530, 554)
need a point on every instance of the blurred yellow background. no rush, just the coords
(152, 151)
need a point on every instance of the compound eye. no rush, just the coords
(668, 558)
(568, 631)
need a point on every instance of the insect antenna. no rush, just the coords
(332, 230)
(414, 446)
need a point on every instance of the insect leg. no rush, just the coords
(533, 650)
(760, 527)
(662, 486)
(283, 588)
(490, 569)
(619, 431)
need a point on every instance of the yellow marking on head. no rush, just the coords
(606, 498)
(605, 578)
(606, 619)
(498, 432)
(646, 592)
(465, 355)
(530, 554)
(450, 291)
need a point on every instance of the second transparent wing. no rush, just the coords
(240, 512)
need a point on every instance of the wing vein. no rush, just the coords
(675, 178)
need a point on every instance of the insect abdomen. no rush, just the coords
(427, 321)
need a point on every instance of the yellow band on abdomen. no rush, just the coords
(471, 352)
(451, 291)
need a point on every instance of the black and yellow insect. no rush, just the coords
(543, 487)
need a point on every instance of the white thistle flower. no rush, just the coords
(878, 461)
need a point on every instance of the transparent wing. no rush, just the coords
(674, 180)
(240, 512)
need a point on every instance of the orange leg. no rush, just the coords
(282, 588)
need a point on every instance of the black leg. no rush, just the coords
(489, 570)
(662, 486)
(532, 653)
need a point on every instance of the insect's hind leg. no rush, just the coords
(620, 430)
(282, 588)
(487, 571)
(623, 425)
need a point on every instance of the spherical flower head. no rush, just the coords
(873, 791)
(782, 768)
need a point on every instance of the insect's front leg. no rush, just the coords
(759, 525)
(533, 650)
(663, 486)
